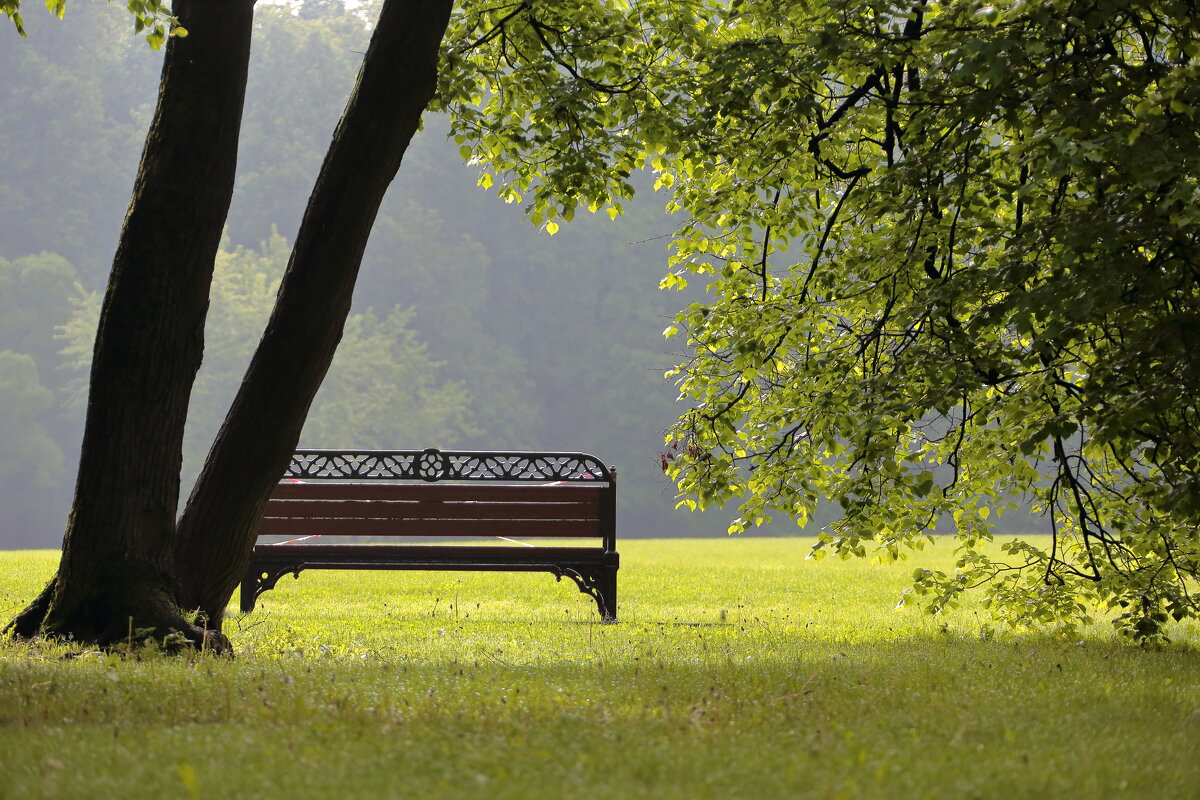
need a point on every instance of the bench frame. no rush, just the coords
(594, 569)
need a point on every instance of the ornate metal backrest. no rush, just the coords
(433, 465)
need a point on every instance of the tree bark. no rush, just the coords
(218, 526)
(115, 576)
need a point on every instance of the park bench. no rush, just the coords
(442, 502)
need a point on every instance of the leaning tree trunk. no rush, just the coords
(396, 82)
(115, 576)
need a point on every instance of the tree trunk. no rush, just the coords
(251, 451)
(126, 566)
(115, 576)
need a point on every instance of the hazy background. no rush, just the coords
(472, 329)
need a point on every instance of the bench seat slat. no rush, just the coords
(424, 509)
(561, 528)
(375, 552)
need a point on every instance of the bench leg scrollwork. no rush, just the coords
(262, 579)
(599, 583)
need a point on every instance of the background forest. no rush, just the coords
(472, 329)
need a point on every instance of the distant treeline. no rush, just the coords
(472, 328)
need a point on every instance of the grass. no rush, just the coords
(738, 670)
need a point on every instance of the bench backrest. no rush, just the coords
(531, 495)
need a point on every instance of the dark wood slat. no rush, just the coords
(376, 509)
(439, 491)
(562, 528)
(373, 552)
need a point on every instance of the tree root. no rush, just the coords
(26, 624)
(106, 621)
(176, 638)
(167, 630)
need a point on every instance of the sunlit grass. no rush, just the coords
(738, 670)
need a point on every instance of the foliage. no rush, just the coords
(33, 471)
(302, 68)
(555, 340)
(153, 17)
(75, 112)
(381, 389)
(738, 670)
(36, 293)
(30, 456)
(36, 296)
(951, 254)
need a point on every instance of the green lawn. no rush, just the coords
(738, 670)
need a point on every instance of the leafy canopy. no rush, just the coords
(951, 256)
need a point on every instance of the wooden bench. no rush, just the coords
(438, 498)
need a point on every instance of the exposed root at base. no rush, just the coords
(26, 624)
(140, 616)
(177, 638)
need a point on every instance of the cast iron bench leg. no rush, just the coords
(249, 588)
(606, 593)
